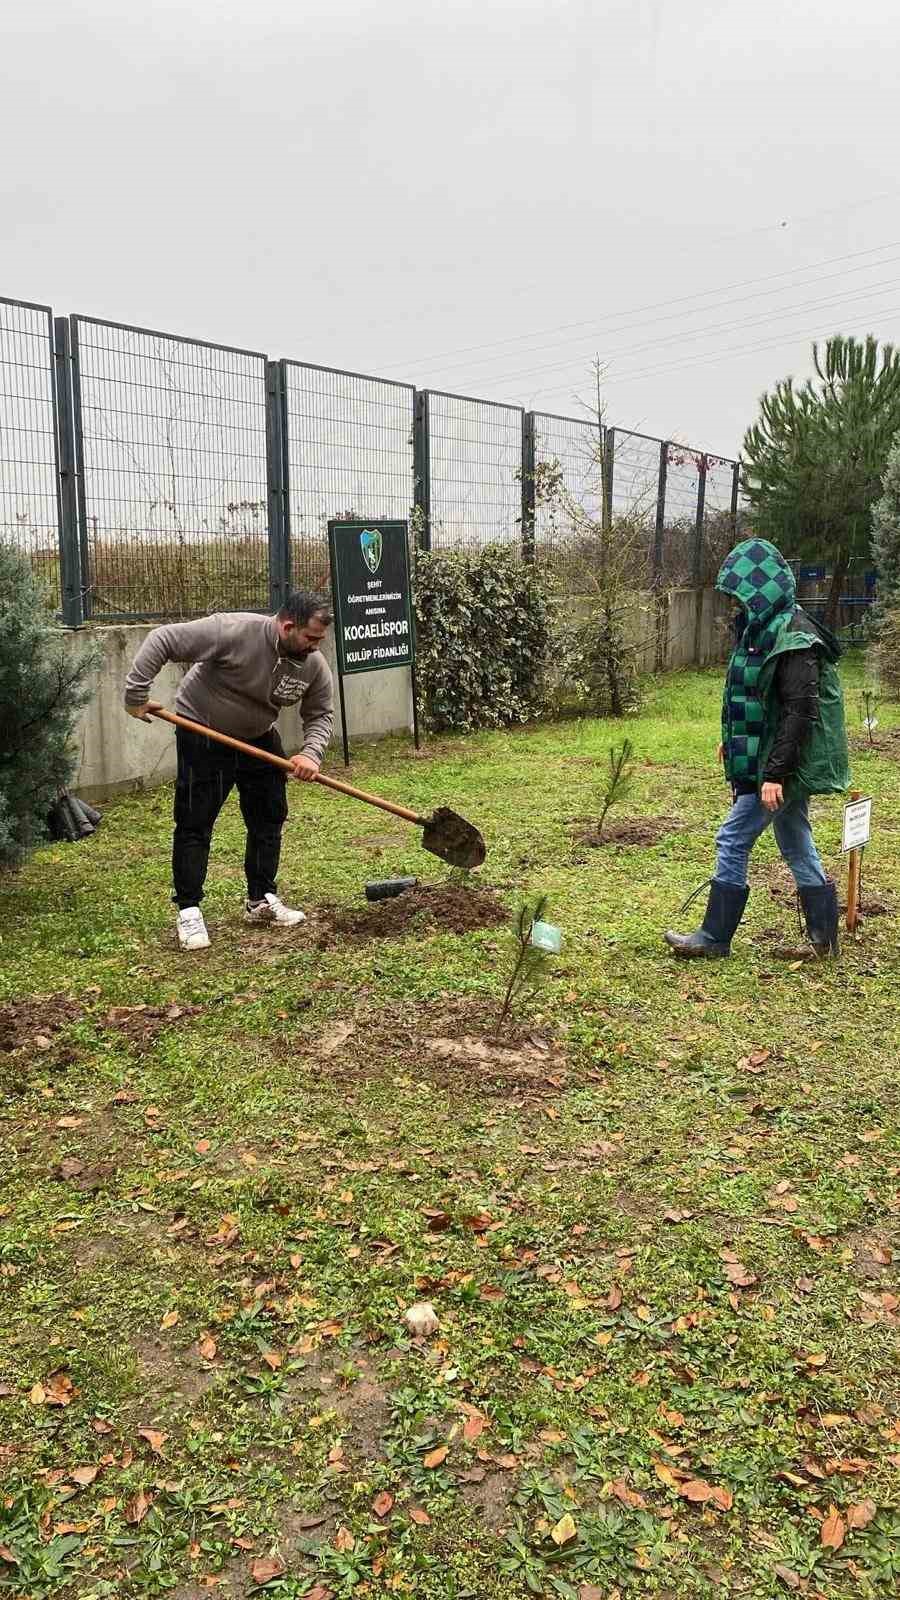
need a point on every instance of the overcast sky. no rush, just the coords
(477, 195)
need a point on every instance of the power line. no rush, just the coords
(716, 355)
(522, 287)
(716, 328)
(655, 305)
(700, 310)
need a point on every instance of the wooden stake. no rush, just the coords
(853, 881)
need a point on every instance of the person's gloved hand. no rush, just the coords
(142, 710)
(304, 768)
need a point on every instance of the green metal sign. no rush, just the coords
(370, 593)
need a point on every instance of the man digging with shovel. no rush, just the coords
(244, 669)
(783, 739)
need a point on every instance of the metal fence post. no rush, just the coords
(661, 599)
(735, 496)
(528, 486)
(422, 467)
(660, 513)
(276, 457)
(608, 462)
(697, 572)
(70, 579)
(80, 488)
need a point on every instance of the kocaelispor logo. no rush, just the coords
(370, 544)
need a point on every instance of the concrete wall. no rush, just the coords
(120, 754)
(672, 630)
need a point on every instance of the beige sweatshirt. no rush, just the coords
(239, 678)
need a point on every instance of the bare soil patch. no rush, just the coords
(630, 831)
(141, 1024)
(453, 1043)
(886, 743)
(448, 908)
(35, 1021)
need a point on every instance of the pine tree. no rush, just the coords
(815, 458)
(42, 688)
(886, 532)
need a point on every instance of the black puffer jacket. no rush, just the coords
(797, 692)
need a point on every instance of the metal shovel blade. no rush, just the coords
(450, 836)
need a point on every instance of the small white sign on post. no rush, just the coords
(857, 825)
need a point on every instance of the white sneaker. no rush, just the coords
(191, 929)
(271, 909)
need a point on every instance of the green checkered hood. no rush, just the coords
(758, 577)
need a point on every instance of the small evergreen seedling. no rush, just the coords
(43, 686)
(528, 960)
(618, 781)
(869, 701)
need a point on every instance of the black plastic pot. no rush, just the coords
(389, 888)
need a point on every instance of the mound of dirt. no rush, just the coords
(34, 1021)
(630, 830)
(448, 908)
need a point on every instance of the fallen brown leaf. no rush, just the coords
(170, 1319)
(698, 1491)
(382, 1503)
(419, 1517)
(83, 1475)
(861, 1514)
(788, 1576)
(628, 1496)
(265, 1568)
(833, 1530)
(57, 1390)
(343, 1539)
(739, 1275)
(137, 1509)
(435, 1457)
(154, 1439)
(207, 1347)
(564, 1530)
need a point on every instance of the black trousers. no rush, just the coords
(207, 773)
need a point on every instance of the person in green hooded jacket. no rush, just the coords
(783, 739)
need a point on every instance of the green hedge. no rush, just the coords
(484, 632)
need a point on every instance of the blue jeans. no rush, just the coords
(747, 819)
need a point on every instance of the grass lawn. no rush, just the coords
(657, 1220)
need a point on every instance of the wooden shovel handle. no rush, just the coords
(283, 763)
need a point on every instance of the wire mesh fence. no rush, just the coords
(150, 475)
(574, 446)
(29, 507)
(635, 477)
(475, 472)
(349, 453)
(173, 472)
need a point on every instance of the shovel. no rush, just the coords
(445, 833)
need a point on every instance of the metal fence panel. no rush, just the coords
(349, 452)
(29, 479)
(574, 444)
(171, 438)
(475, 449)
(635, 477)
